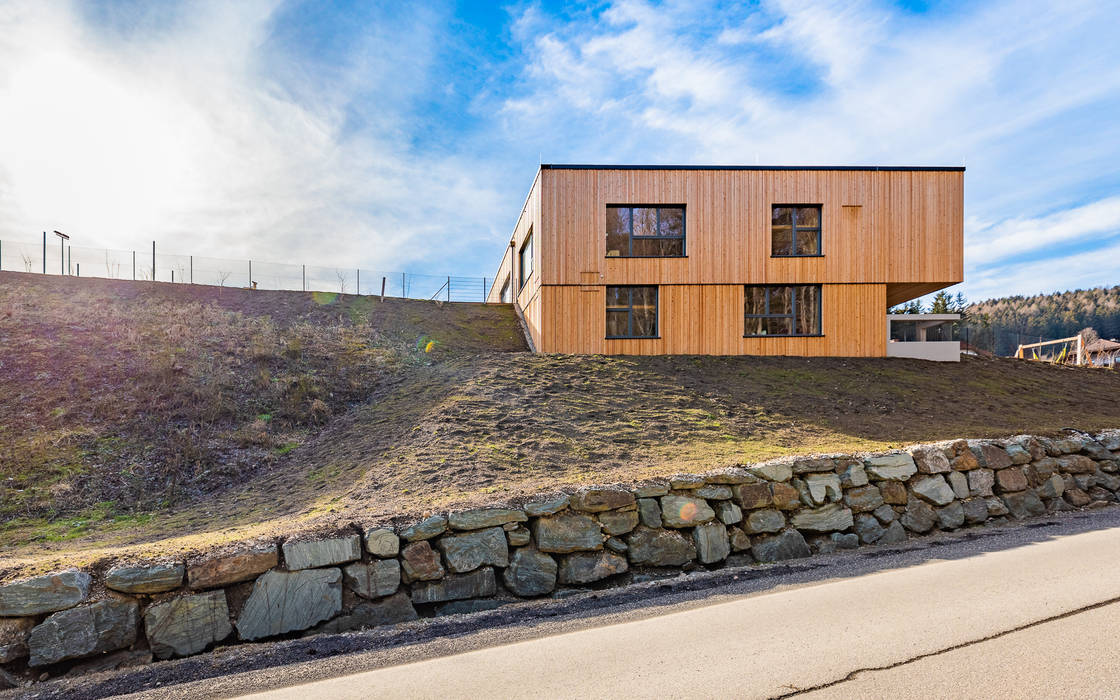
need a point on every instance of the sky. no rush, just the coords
(405, 136)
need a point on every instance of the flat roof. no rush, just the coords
(881, 168)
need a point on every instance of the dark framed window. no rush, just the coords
(782, 310)
(795, 230)
(506, 297)
(525, 261)
(645, 231)
(631, 312)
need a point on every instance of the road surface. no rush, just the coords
(1036, 620)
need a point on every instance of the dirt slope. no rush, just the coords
(170, 417)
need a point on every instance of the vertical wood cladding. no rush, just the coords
(708, 320)
(884, 233)
(877, 226)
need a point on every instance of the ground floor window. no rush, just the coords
(782, 310)
(631, 312)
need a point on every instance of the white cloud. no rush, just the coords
(1004, 86)
(208, 138)
(1083, 270)
(991, 242)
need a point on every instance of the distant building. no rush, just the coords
(733, 260)
(1103, 353)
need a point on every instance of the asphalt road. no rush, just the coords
(1022, 611)
(922, 624)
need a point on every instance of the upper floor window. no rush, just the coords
(525, 261)
(782, 310)
(631, 312)
(645, 232)
(795, 230)
(506, 297)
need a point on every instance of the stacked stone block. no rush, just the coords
(599, 536)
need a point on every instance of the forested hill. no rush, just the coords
(1046, 316)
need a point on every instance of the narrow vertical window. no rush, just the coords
(631, 312)
(525, 261)
(506, 297)
(795, 230)
(782, 310)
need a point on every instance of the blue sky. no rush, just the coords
(403, 136)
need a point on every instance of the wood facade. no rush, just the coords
(888, 235)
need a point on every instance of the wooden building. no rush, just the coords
(728, 260)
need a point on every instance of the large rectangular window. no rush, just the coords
(795, 230)
(645, 232)
(525, 261)
(631, 312)
(782, 310)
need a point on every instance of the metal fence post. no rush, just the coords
(449, 287)
(358, 281)
(153, 261)
(44, 252)
(134, 266)
(484, 290)
(404, 295)
(192, 269)
(305, 278)
(250, 274)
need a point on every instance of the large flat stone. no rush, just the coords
(470, 550)
(155, 578)
(981, 481)
(378, 578)
(649, 547)
(106, 625)
(788, 544)
(932, 488)
(766, 520)
(1022, 504)
(382, 542)
(863, 498)
(477, 584)
(13, 637)
(1076, 464)
(829, 518)
(284, 602)
(752, 496)
(894, 492)
(931, 460)
(824, 488)
(959, 483)
(425, 529)
(42, 594)
(867, 527)
(419, 562)
(898, 466)
(1011, 479)
(785, 496)
(481, 518)
(951, 516)
(772, 471)
(975, 510)
(232, 567)
(685, 511)
(852, 474)
(313, 554)
(567, 532)
(599, 499)
(992, 456)
(530, 573)
(547, 507)
(649, 512)
(188, 624)
(392, 610)
(588, 567)
(919, 516)
(618, 522)
(712, 543)
(813, 464)
(729, 513)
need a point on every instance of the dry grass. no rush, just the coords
(165, 418)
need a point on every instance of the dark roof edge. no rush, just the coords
(881, 168)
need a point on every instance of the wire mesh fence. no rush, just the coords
(150, 264)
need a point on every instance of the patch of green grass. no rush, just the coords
(285, 448)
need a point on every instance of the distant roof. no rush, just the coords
(881, 168)
(1102, 345)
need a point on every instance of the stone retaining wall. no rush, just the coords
(598, 536)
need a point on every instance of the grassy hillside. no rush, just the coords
(134, 413)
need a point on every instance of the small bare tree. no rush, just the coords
(27, 261)
(223, 275)
(342, 279)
